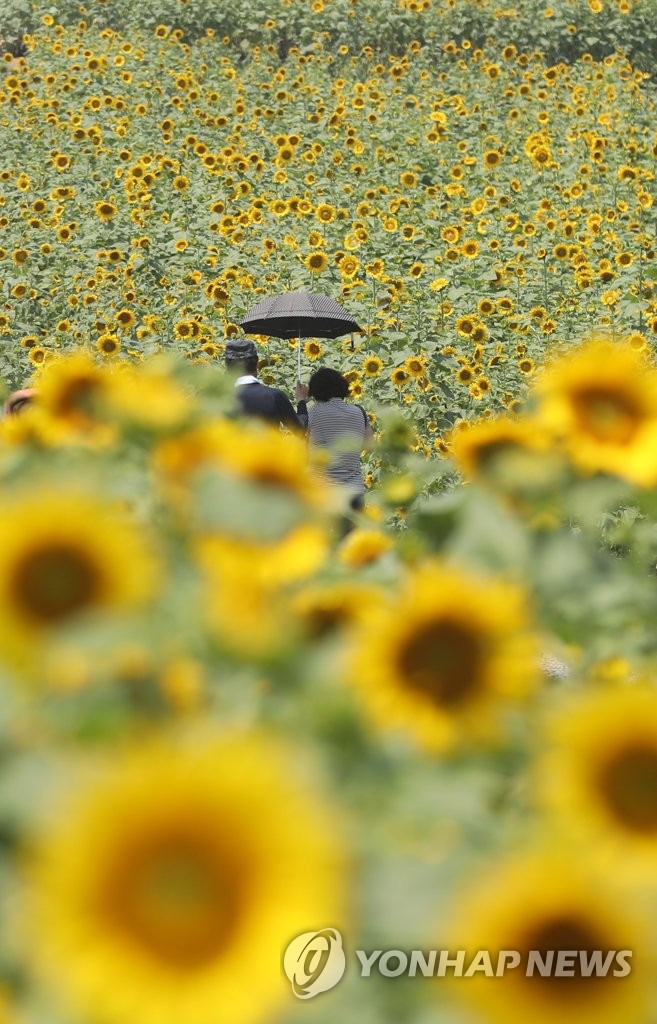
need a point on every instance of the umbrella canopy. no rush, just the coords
(299, 315)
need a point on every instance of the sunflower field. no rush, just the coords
(223, 723)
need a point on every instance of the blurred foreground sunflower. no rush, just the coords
(598, 773)
(65, 555)
(601, 401)
(169, 884)
(503, 451)
(553, 901)
(440, 659)
(74, 393)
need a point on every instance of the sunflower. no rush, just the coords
(63, 555)
(598, 772)
(183, 329)
(601, 400)
(416, 366)
(275, 464)
(183, 870)
(149, 397)
(316, 262)
(125, 318)
(364, 547)
(399, 376)
(372, 366)
(637, 341)
(349, 266)
(108, 344)
(326, 609)
(180, 183)
(37, 355)
(492, 158)
(465, 325)
(541, 903)
(279, 207)
(245, 607)
(313, 349)
(106, 211)
(500, 449)
(541, 155)
(75, 391)
(443, 656)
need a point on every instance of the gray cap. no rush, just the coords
(240, 350)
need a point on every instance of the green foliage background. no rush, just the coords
(386, 27)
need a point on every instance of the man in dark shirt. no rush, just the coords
(255, 398)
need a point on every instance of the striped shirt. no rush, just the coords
(339, 428)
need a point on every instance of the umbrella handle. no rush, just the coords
(299, 359)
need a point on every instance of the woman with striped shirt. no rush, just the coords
(338, 429)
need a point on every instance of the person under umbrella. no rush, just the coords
(340, 431)
(299, 315)
(257, 399)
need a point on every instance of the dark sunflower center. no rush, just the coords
(567, 933)
(322, 620)
(177, 897)
(54, 582)
(269, 475)
(488, 453)
(628, 785)
(443, 661)
(610, 416)
(78, 397)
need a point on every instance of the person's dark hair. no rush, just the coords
(18, 400)
(326, 383)
(243, 366)
(241, 356)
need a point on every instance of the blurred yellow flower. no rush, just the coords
(598, 771)
(499, 449)
(441, 659)
(182, 869)
(553, 900)
(363, 547)
(601, 402)
(64, 555)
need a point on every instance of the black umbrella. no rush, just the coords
(299, 315)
